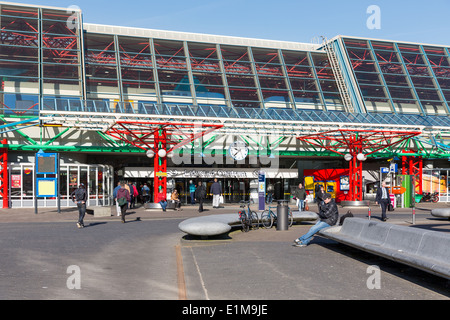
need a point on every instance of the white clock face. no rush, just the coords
(238, 151)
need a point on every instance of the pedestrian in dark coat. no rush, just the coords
(79, 196)
(383, 198)
(200, 195)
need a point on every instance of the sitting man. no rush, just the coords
(328, 215)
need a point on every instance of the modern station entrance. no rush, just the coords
(237, 184)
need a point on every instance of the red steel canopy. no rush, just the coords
(359, 144)
(157, 136)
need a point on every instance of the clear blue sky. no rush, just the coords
(425, 21)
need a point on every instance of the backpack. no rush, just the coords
(122, 201)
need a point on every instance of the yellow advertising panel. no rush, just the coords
(46, 188)
(309, 183)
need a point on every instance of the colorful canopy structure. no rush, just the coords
(159, 139)
(355, 146)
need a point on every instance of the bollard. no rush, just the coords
(370, 213)
(282, 215)
(414, 215)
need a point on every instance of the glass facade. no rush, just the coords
(40, 56)
(45, 61)
(98, 180)
(401, 78)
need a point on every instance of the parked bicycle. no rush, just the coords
(248, 217)
(269, 217)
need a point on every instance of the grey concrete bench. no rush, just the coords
(151, 205)
(441, 213)
(215, 225)
(418, 248)
(99, 211)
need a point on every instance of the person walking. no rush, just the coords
(383, 198)
(123, 198)
(115, 190)
(319, 197)
(328, 215)
(79, 196)
(216, 190)
(192, 192)
(200, 195)
(132, 196)
(145, 193)
(300, 195)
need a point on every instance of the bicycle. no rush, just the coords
(268, 217)
(248, 218)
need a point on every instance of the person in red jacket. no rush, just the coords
(123, 198)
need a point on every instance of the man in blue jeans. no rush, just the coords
(328, 215)
(79, 196)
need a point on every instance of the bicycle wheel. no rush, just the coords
(291, 218)
(267, 219)
(244, 221)
(255, 221)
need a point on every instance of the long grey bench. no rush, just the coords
(215, 225)
(419, 248)
(441, 213)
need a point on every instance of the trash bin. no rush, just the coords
(282, 215)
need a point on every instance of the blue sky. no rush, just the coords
(288, 20)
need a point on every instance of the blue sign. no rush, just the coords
(384, 170)
(262, 190)
(393, 168)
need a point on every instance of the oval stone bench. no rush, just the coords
(418, 248)
(215, 225)
(441, 213)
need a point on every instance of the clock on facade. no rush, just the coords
(238, 150)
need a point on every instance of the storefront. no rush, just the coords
(437, 180)
(237, 184)
(98, 180)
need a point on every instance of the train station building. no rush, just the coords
(170, 108)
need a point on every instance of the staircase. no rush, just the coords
(335, 66)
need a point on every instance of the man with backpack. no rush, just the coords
(123, 197)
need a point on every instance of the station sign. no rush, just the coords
(46, 163)
(262, 190)
(393, 168)
(384, 170)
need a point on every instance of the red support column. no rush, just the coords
(160, 175)
(351, 181)
(413, 165)
(359, 181)
(4, 174)
(355, 181)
